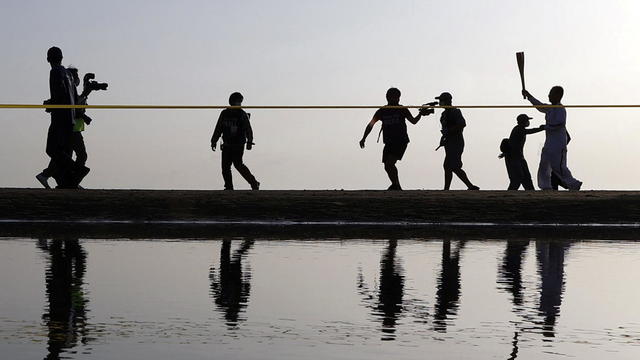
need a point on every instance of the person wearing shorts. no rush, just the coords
(453, 124)
(394, 133)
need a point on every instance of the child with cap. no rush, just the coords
(513, 153)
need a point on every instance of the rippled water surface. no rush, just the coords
(350, 299)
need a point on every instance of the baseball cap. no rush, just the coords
(444, 95)
(523, 117)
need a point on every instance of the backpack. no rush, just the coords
(505, 146)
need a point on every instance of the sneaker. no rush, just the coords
(473, 187)
(256, 186)
(43, 180)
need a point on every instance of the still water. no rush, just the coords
(352, 299)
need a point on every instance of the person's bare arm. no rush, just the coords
(534, 130)
(367, 130)
(535, 102)
(413, 120)
(216, 133)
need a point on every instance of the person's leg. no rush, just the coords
(79, 148)
(527, 183)
(392, 173)
(226, 167)
(448, 176)
(391, 154)
(544, 170)
(59, 150)
(555, 181)
(465, 179)
(238, 152)
(514, 181)
(559, 167)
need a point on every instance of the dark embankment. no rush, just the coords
(435, 210)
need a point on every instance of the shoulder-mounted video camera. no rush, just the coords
(91, 85)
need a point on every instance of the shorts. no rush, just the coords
(453, 157)
(393, 152)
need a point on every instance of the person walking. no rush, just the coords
(514, 159)
(453, 125)
(394, 133)
(62, 92)
(553, 159)
(234, 127)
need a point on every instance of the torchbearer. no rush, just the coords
(553, 159)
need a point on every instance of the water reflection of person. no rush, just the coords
(550, 255)
(387, 301)
(66, 314)
(448, 292)
(230, 288)
(511, 270)
(510, 275)
(391, 289)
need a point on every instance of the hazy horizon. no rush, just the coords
(329, 53)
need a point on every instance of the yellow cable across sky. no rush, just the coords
(300, 107)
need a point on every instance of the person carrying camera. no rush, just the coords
(80, 120)
(453, 124)
(394, 133)
(234, 127)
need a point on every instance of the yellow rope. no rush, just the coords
(275, 107)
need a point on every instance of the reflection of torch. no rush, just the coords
(520, 59)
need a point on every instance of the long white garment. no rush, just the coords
(553, 161)
(554, 152)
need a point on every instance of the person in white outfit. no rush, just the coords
(553, 159)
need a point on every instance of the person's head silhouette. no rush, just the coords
(444, 99)
(54, 55)
(555, 95)
(523, 120)
(393, 96)
(236, 99)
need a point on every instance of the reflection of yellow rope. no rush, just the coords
(284, 107)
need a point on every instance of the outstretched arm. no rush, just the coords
(534, 130)
(535, 101)
(367, 130)
(414, 120)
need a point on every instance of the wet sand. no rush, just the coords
(420, 209)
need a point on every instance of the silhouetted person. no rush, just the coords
(65, 315)
(234, 127)
(231, 288)
(448, 293)
(391, 289)
(386, 301)
(62, 120)
(511, 269)
(554, 152)
(550, 255)
(77, 141)
(453, 125)
(394, 133)
(514, 159)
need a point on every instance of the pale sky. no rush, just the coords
(320, 53)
